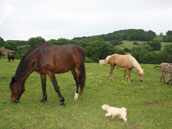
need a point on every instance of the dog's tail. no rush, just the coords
(124, 109)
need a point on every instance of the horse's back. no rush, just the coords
(64, 51)
(166, 68)
(121, 60)
(60, 58)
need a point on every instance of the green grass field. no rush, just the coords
(148, 103)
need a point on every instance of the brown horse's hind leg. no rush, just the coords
(43, 81)
(111, 71)
(77, 83)
(56, 87)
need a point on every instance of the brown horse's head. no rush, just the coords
(17, 90)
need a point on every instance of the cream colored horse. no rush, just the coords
(127, 62)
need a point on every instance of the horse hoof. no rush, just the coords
(42, 101)
(76, 96)
(62, 105)
(111, 78)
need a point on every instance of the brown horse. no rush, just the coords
(127, 62)
(47, 59)
(10, 56)
(165, 68)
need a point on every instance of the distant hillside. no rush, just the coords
(129, 34)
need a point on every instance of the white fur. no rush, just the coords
(76, 96)
(114, 111)
(136, 64)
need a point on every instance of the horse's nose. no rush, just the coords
(141, 80)
(14, 101)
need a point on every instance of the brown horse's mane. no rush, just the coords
(22, 67)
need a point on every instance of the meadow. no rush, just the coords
(148, 103)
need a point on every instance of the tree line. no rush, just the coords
(98, 47)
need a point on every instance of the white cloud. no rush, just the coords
(21, 19)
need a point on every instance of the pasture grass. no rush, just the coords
(148, 103)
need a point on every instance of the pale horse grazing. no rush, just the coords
(127, 62)
(165, 68)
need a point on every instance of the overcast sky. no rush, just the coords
(53, 19)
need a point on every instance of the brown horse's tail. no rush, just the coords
(82, 78)
(156, 66)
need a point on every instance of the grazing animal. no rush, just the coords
(114, 111)
(48, 59)
(127, 62)
(166, 69)
(10, 56)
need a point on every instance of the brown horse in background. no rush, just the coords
(165, 68)
(48, 59)
(10, 56)
(127, 62)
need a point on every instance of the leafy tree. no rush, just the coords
(95, 48)
(52, 41)
(35, 41)
(22, 50)
(118, 51)
(130, 34)
(140, 54)
(169, 33)
(11, 45)
(167, 52)
(116, 42)
(2, 42)
(61, 41)
(135, 43)
(98, 50)
(127, 49)
(168, 36)
(155, 45)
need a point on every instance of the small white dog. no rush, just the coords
(113, 111)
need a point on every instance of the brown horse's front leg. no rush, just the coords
(111, 71)
(56, 87)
